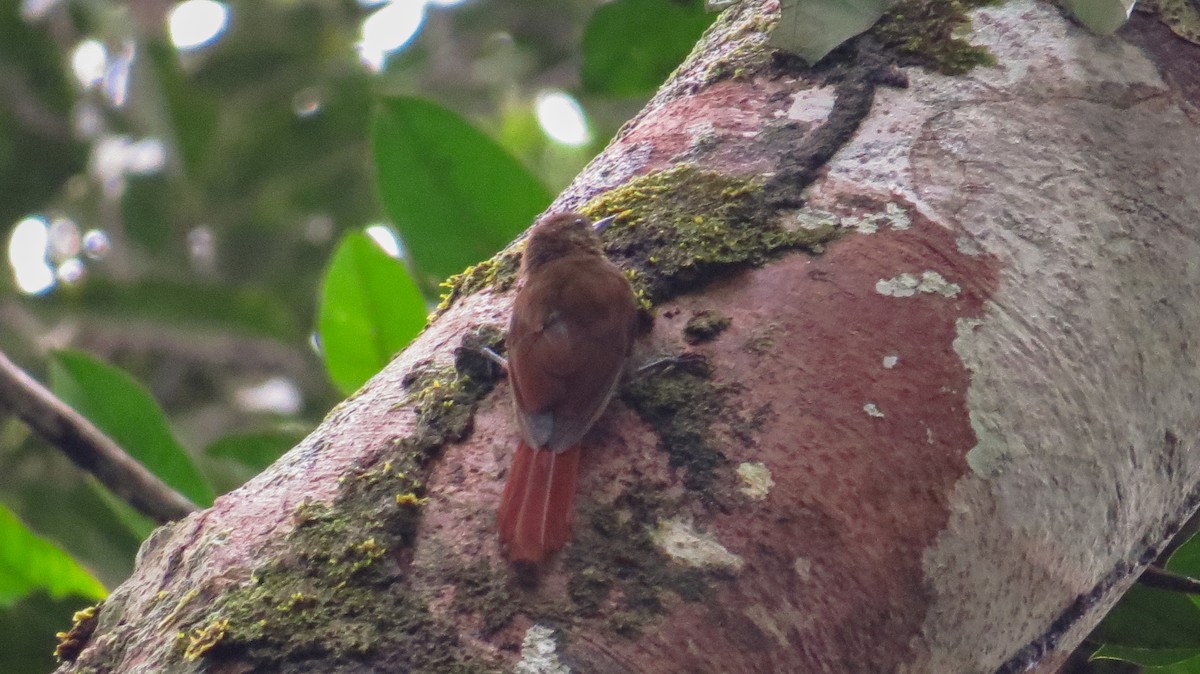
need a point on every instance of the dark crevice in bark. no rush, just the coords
(855, 92)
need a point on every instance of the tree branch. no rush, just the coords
(87, 446)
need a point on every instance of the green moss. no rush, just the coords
(705, 326)
(683, 227)
(615, 566)
(681, 403)
(740, 38)
(482, 590)
(497, 273)
(589, 587)
(676, 229)
(442, 403)
(445, 398)
(335, 597)
(760, 342)
(336, 591)
(741, 63)
(926, 33)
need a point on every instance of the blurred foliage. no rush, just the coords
(29, 628)
(631, 46)
(255, 451)
(1152, 619)
(29, 563)
(38, 153)
(222, 180)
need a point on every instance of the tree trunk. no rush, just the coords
(941, 409)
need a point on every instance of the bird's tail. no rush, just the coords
(534, 517)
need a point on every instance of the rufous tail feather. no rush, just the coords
(534, 517)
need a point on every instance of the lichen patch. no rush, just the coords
(539, 653)
(909, 285)
(681, 541)
(756, 479)
(892, 216)
(803, 568)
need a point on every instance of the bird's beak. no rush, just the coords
(603, 223)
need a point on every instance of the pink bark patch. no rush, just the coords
(863, 456)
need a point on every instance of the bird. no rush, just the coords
(570, 335)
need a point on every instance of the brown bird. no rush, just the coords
(571, 332)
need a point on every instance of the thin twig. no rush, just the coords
(1162, 579)
(87, 446)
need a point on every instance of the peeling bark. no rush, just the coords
(950, 417)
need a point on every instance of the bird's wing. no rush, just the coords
(569, 343)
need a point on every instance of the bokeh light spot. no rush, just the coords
(36, 10)
(389, 29)
(117, 76)
(96, 244)
(71, 271)
(27, 247)
(276, 395)
(89, 60)
(64, 239)
(385, 238)
(562, 119)
(196, 23)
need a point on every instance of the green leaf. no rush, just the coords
(1149, 618)
(370, 309)
(1186, 559)
(1102, 16)
(1147, 657)
(254, 450)
(119, 406)
(29, 563)
(75, 510)
(456, 196)
(1189, 666)
(812, 28)
(631, 46)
